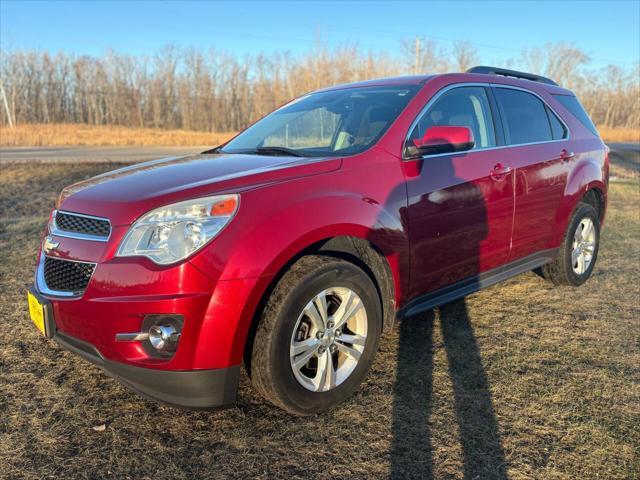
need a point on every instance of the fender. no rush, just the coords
(253, 244)
(244, 298)
(589, 171)
(309, 219)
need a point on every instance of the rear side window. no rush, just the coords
(572, 104)
(524, 117)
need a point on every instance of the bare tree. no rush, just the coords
(214, 91)
(464, 55)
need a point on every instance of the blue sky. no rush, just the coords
(608, 30)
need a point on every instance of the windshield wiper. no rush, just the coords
(213, 150)
(278, 151)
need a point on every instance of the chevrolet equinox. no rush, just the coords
(294, 246)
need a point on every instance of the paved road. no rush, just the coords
(625, 155)
(91, 154)
(625, 146)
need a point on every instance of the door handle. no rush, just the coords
(566, 155)
(500, 171)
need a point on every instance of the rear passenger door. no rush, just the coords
(536, 141)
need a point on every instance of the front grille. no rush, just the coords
(67, 276)
(70, 222)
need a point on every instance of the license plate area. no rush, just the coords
(41, 313)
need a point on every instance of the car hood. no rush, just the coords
(124, 194)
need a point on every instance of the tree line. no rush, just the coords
(210, 90)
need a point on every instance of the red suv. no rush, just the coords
(294, 246)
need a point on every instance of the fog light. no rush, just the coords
(164, 338)
(163, 334)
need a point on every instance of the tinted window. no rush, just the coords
(557, 128)
(524, 117)
(572, 104)
(332, 123)
(461, 107)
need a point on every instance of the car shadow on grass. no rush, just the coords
(412, 448)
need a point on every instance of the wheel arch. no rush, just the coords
(595, 197)
(359, 251)
(369, 258)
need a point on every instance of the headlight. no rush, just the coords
(171, 233)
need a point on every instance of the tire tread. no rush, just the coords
(261, 375)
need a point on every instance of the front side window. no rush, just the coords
(524, 117)
(460, 107)
(334, 123)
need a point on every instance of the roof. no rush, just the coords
(455, 78)
(401, 80)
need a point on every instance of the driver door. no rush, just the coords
(460, 205)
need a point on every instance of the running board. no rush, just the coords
(475, 283)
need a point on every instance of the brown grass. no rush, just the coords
(620, 134)
(523, 380)
(34, 135)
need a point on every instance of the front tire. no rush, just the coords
(317, 336)
(579, 249)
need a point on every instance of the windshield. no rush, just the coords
(333, 123)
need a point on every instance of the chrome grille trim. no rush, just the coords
(55, 229)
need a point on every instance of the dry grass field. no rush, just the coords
(520, 381)
(55, 135)
(619, 134)
(71, 134)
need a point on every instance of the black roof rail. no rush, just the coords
(511, 73)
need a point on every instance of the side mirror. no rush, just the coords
(442, 139)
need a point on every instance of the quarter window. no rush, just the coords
(572, 104)
(558, 130)
(461, 107)
(524, 117)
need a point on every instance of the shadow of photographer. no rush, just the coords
(450, 213)
(412, 449)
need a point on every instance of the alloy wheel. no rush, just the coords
(584, 244)
(328, 339)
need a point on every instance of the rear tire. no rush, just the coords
(579, 249)
(310, 354)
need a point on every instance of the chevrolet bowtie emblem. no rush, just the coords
(49, 244)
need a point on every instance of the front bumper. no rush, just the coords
(193, 389)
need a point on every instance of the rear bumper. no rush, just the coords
(192, 389)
